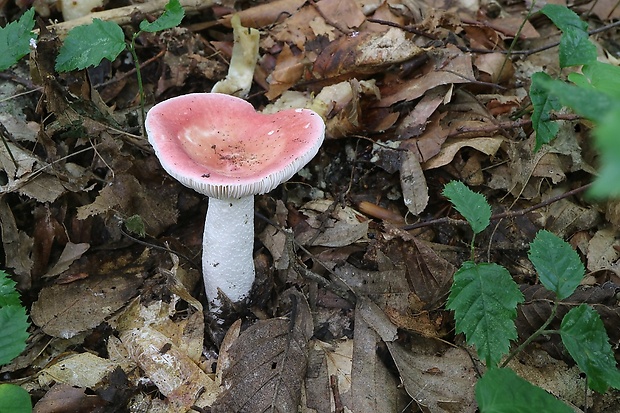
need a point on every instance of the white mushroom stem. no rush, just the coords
(228, 243)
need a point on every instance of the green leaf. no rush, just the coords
(576, 48)
(14, 399)
(607, 184)
(585, 338)
(8, 293)
(502, 391)
(172, 17)
(600, 76)
(588, 102)
(472, 205)
(559, 268)
(135, 224)
(575, 45)
(14, 325)
(484, 299)
(546, 129)
(88, 45)
(15, 40)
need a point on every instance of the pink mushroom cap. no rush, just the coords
(220, 146)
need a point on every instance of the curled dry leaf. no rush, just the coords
(413, 183)
(267, 364)
(436, 383)
(176, 375)
(332, 227)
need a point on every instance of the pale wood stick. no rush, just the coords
(122, 15)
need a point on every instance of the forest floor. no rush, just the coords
(415, 94)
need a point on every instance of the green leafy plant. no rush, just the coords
(484, 298)
(89, 44)
(86, 45)
(15, 40)
(594, 94)
(14, 327)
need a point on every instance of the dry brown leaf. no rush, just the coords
(446, 66)
(373, 387)
(376, 319)
(413, 183)
(70, 253)
(155, 205)
(497, 68)
(324, 361)
(331, 228)
(64, 310)
(288, 71)
(17, 246)
(62, 397)
(345, 15)
(79, 370)
(414, 123)
(603, 253)
(364, 53)
(488, 146)
(437, 384)
(429, 143)
(267, 364)
(176, 375)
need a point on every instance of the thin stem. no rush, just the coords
(541, 330)
(132, 49)
(515, 40)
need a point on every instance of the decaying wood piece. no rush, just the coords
(122, 15)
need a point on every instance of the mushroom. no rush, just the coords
(221, 147)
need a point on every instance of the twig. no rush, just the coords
(509, 125)
(502, 215)
(333, 384)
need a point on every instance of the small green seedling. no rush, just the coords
(484, 298)
(14, 327)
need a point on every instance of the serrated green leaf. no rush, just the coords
(88, 45)
(14, 399)
(472, 205)
(8, 293)
(502, 391)
(585, 338)
(14, 325)
(558, 266)
(543, 102)
(172, 17)
(575, 45)
(484, 299)
(15, 40)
